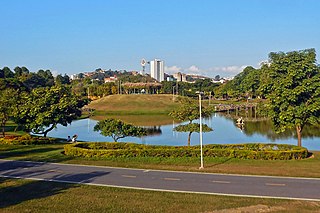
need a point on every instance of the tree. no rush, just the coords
(118, 129)
(192, 127)
(7, 73)
(189, 111)
(8, 98)
(44, 108)
(292, 85)
(62, 79)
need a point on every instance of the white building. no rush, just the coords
(157, 69)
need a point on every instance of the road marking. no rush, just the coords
(175, 179)
(275, 184)
(220, 181)
(146, 171)
(129, 176)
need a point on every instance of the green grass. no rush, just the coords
(38, 196)
(133, 104)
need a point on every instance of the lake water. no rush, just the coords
(225, 132)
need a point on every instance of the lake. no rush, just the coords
(225, 132)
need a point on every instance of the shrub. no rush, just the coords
(241, 151)
(27, 140)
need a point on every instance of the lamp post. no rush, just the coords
(201, 152)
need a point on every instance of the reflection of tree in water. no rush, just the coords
(152, 131)
(263, 126)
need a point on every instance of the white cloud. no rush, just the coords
(223, 71)
(228, 70)
(194, 69)
(172, 69)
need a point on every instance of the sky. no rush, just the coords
(207, 37)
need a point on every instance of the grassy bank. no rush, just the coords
(141, 104)
(309, 167)
(21, 196)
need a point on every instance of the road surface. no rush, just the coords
(190, 182)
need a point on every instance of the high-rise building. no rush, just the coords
(157, 69)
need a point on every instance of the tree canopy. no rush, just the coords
(192, 127)
(117, 129)
(44, 108)
(292, 86)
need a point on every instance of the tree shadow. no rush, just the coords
(15, 194)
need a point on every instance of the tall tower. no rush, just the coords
(157, 69)
(143, 64)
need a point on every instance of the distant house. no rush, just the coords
(110, 79)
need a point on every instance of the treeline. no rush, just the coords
(37, 102)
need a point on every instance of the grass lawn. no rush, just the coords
(133, 104)
(38, 196)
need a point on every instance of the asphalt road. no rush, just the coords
(190, 182)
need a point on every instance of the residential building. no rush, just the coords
(157, 69)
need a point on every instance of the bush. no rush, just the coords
(27, 140)
(241, 151)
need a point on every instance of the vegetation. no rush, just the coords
(27, 140)
(117, 129)
(44, 108)
(188, 110)
(134, 105)
(292, 86)
(36, 101)
(129, 150)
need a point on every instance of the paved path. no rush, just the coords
(191, 182)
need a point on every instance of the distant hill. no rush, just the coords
(134, 104)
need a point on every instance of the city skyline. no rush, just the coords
(200, 37)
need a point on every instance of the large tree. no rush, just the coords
(44, 108)
(117, 129)
(292, 85)
(8, 98)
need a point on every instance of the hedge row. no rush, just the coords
(241, 151)
(27, 140)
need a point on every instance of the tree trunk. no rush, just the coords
(3, 124)
(189, 138)
(299, 130)
(48, 130)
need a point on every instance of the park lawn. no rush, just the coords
(38, 196)
(138, 104)
(309, 167)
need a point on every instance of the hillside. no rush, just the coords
(134, 104)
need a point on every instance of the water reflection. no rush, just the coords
(226, 131)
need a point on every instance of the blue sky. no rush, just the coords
(208, 37)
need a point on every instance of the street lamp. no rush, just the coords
(201, 152)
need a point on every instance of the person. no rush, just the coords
(69, 138)
(74, 138)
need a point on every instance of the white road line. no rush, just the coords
(275, 184)
(220, 181)
(174, 179)
(129, 176)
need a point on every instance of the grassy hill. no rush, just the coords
(141, 104)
